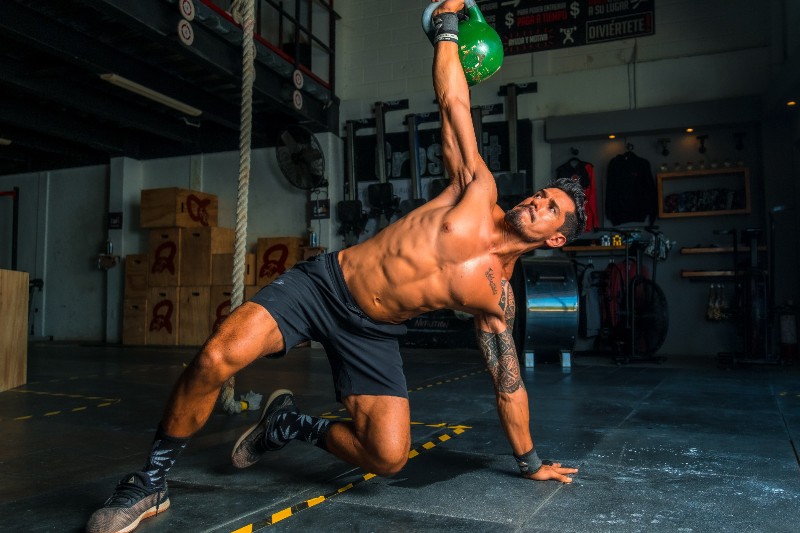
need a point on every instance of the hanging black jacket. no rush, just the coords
(630, 190)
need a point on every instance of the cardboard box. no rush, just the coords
(222, 269)
(134, 321)
(275, 255)
(136, 267)
(193, 317)
(163, 314)
(198, 245)
(219, 305)
(164, 257)
(174, 207)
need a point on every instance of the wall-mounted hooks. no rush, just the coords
(574, 151)
(702, 139)
(664, 150)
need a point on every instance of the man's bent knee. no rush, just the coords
(211, 364)
(389, 461)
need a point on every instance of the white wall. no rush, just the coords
(62, 229)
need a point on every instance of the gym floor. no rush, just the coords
(677, 446)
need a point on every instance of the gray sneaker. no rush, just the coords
(132, 502)
(253, 443)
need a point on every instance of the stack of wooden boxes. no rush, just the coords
(180, 291)
(168, 290)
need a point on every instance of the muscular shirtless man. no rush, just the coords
(457, 251)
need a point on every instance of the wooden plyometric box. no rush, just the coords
(134, 321)
(13, 329)
(175, 207)
(164, 257)
(275, 255)
(219, 305)
(163, 314)
(194, 326)
(222, 269)
(198, 245)
(136, 268)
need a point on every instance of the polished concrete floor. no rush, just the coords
(679, 446)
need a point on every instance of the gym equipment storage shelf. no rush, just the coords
(707, 192)
(703, 275)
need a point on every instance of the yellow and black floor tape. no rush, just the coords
(104, 402)
(450, 432)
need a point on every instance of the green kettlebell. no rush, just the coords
(480, 48)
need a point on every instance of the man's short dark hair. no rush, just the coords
(574, 222)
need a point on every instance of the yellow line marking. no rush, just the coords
(61, 412)
(63, 395)
(294, 509)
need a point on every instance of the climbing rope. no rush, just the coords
(243, 12)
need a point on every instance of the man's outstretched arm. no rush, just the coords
(459, 144)
(495, 340)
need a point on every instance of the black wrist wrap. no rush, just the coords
(446, 25)
(528, 462)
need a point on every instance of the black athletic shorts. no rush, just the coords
(311, 302)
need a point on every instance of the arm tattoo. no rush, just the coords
(498, 348)
(501, 360)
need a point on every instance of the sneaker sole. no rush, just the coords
(156, 509)
(247, 433)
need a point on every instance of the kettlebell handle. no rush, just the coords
(427, 17)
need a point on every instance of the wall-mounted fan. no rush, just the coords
(300, 158)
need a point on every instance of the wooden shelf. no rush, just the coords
(695, 193)
(717, 249)
(594, 248)
(701, 274)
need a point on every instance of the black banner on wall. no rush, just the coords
(495, 150)
(536, 25)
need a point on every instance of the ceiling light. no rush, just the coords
(4, 142)
(791, 103)
(150, 94)
(612, 136)
(689, 130)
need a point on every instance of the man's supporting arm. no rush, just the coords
(496, 343)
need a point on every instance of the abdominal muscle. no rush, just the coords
(424, 261)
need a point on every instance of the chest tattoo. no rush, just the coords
(490, 277)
